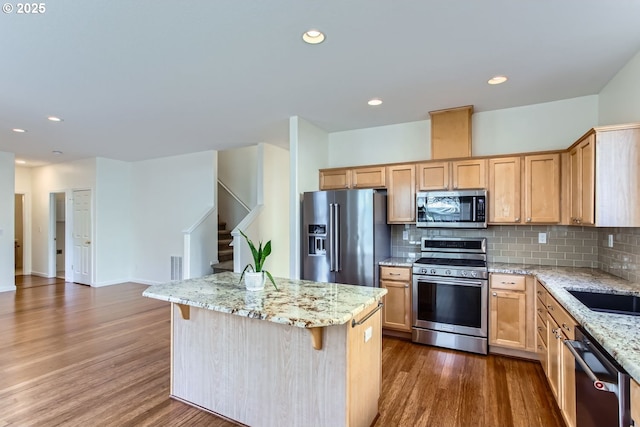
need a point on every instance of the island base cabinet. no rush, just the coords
(262, 373)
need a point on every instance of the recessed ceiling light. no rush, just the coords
(375, 101)
(18, 130)
(313, 37)
(497, 80)
(57, 152)
(21, 162)
(54, 119)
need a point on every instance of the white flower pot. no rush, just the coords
(254, 281)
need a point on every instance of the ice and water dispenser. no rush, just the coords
(317, 234)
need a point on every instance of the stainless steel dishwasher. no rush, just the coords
(602, 386)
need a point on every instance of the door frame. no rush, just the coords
(26, 231)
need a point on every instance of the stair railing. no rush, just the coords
(201, 245)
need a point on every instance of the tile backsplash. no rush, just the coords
(623, 259)
(566, 246)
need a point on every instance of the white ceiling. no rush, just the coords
(151, 78)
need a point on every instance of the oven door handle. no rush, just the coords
(597, 383)
(449, 281)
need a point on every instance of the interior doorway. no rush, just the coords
(19, 240)
(60, 232)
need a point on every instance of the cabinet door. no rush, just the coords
(433, 176)
(542, 188)
(582, 173)
(396, 312)
(401, 194)
(469, 174)
(554, 357)
(507, 319)
(368, 177)
(335, 179)
(568, 385)
(635, 402)
(504, 190)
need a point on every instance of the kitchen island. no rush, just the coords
(306, 354)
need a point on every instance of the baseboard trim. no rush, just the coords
(511, 352)
(39, 274)
(146, 282)
(8, 289)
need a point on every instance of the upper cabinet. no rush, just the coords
(454, 175)
(401, 194)
(359, 177)
(524, 189)
(451, 133)
(604, 177)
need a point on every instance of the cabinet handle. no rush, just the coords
(540, 310)
(406, 286)
(517, 219)
(508, 283)
(539, 292)
(540, 328)
(528, 219)
(494, 294)
(550, 307)
(394, 274)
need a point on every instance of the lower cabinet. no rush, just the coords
(396, 312)
(635, 402)
(511, 314)
(560, 363)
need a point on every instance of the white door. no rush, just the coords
(82, 237)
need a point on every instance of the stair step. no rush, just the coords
(225, 255)
(222, 225)
(224, 242)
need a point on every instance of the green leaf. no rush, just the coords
(271, 278)
(245, 269)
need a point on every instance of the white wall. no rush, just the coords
(23, 186)
(113, 222)
(7, 220)
(168, 196)
(236, 170)
(57, 178)
(620, 98)
(308, 152)
(539, 127)
(274, 218)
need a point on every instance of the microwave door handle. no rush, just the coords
(336, 239)
(474, 216)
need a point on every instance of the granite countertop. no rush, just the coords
(300, 303)
(398, 262)
(619, 334)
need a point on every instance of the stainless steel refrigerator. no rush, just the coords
(344, 236)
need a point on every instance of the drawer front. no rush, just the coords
(560, 315)
(542, 352)
(541, 327)
(395, 273)
(508, 281)
(541, 293)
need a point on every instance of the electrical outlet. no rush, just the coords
(610, 240)
(542, 237)
(405, 235)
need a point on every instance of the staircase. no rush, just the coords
(225, 252)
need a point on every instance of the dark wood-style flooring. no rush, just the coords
(72, 355)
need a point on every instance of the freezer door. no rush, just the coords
(355, 244)
(317, 236)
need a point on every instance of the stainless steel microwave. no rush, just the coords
(452, 209)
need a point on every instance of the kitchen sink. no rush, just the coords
(609, 303)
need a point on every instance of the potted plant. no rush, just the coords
(254, 279)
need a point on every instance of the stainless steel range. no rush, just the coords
(450, 291)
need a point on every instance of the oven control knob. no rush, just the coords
(474, 274)
(433, 271)
(447, 272)
(423, 271)
(463, 273)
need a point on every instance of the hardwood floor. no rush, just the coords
(74, 355)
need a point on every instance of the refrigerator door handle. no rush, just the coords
(332, 227)
(336, 237)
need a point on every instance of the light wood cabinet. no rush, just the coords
(505, 190)
(373, 177)
(511, 312)
(396, 312)
(560, 363)
(603, 176)
(359, 177)
(451, 132)
(524, 189)
(542, 188)
(582, 163)
(433, 176)
(401, 194)
(335, 179)
(635, 402)
(454, 175)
